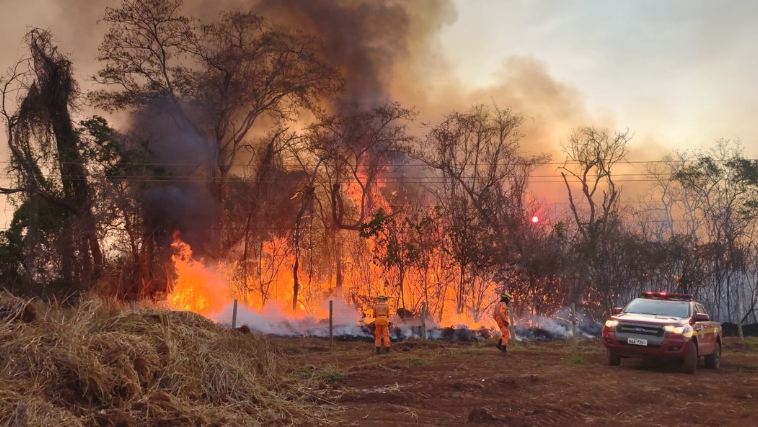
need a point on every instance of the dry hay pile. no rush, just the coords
(96, 365)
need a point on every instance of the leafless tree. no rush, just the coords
(222, 77)
(485, 179)
(357, 146)
(590, 156)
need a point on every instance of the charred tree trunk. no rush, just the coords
(461, 303)
(245, 288)
(401, 285)
(307, 197)
(339, 274)
(296, 265)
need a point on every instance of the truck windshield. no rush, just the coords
(659, 307)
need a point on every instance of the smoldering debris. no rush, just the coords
(556, 327)
(365, 332)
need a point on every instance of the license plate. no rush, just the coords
(636, 341)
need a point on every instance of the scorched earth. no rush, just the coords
(535, 384)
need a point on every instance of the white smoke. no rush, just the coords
(558, 326)
(347, 321)
(274, 320)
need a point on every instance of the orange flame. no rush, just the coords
(197, 288)
(265, 278)
(208, 290)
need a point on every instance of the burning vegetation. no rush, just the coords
(263, 155)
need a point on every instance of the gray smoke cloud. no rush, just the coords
(181, 200)
(386, 50)
(366, 40)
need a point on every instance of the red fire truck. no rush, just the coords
(661, 325)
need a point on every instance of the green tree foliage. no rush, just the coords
(50, 171)
(399, 241)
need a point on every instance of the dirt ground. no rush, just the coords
(535, 384)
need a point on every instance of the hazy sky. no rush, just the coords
(678, 73)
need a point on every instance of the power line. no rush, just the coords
(295, 165)
(379, 181)
(110, 229)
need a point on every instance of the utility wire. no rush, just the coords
(295, 165)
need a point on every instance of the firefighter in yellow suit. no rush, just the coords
(382, 322)
(500, 314)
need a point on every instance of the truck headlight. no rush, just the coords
(611, 323)
(674, 329)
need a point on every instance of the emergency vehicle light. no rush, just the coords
(666, 295)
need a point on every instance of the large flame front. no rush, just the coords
(197, 288)
(209, 290)
(348, 272)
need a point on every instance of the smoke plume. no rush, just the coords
(366, 40)
(182, 200)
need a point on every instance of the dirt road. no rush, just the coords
(536, 384)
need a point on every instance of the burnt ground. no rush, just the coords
(535, 384)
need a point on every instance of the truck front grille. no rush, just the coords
(637, 346)
(656, 331)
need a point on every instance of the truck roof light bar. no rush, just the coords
(667, 295)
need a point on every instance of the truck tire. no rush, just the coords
(689, 364)
(613, 359)
(713, 360)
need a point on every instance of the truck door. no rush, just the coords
(712, 331)
(706, 337)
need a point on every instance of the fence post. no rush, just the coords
(234, 315)
(331, 324)
(133, 304)
(574, 335)
(423, 321)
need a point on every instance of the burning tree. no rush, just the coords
(356, 147)
(235, 139)
(399, 244)
(214, 81)
(484, 187)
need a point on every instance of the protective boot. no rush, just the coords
(387, 350)
(499, 345)
(378, 350)
(504, 349)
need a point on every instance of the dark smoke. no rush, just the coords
(364, 39)
(386, 50)
(180, 199)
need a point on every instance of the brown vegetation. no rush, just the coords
(98, 365)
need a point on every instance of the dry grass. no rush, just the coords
(99, 365)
